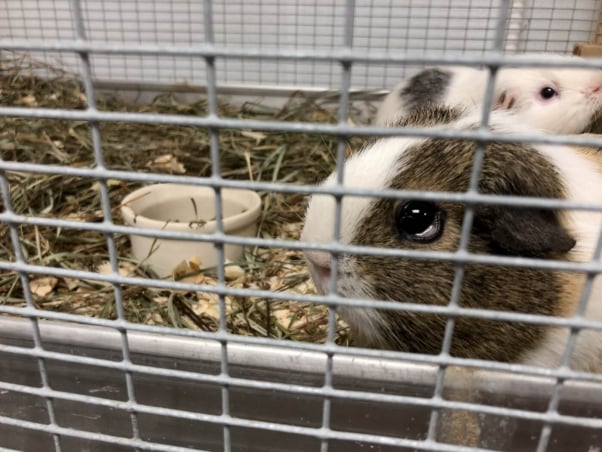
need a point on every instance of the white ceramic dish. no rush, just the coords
(175, 207)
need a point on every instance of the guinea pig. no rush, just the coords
(555, 100)
(444, 165)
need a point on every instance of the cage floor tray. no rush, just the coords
(178, 392)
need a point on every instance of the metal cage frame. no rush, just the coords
(42, 337)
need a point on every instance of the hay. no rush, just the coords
(279, 156)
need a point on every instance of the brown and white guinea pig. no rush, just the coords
(444, 165)
(555, 100)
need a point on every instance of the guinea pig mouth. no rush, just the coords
(321, 277)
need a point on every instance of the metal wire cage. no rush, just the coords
(73, 382)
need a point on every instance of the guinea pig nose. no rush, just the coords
(595, 90)
(319, 258)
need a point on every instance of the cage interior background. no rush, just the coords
(100, 351)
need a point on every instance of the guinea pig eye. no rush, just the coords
(419, 221)
(548, 92)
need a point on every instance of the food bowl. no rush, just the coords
(190, 208)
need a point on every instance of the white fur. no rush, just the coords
(500, 121)
(369, 319)
(584, 184)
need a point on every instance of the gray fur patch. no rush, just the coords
(425, 87)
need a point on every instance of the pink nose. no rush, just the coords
(318, 263)
(595, 90)
(319, 258)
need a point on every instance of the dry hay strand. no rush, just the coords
(158, 148)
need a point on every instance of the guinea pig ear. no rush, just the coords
(505, 100)
(524, 232)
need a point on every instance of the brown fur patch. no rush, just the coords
(445, 165)
(572, 289)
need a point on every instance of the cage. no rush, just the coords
(100, 352)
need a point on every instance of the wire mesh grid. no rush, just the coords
(192, 39)
(437, 26)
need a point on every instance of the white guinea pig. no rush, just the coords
(444, 165)
(555, 100)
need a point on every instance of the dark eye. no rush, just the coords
(548, 92)
(419, 221)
